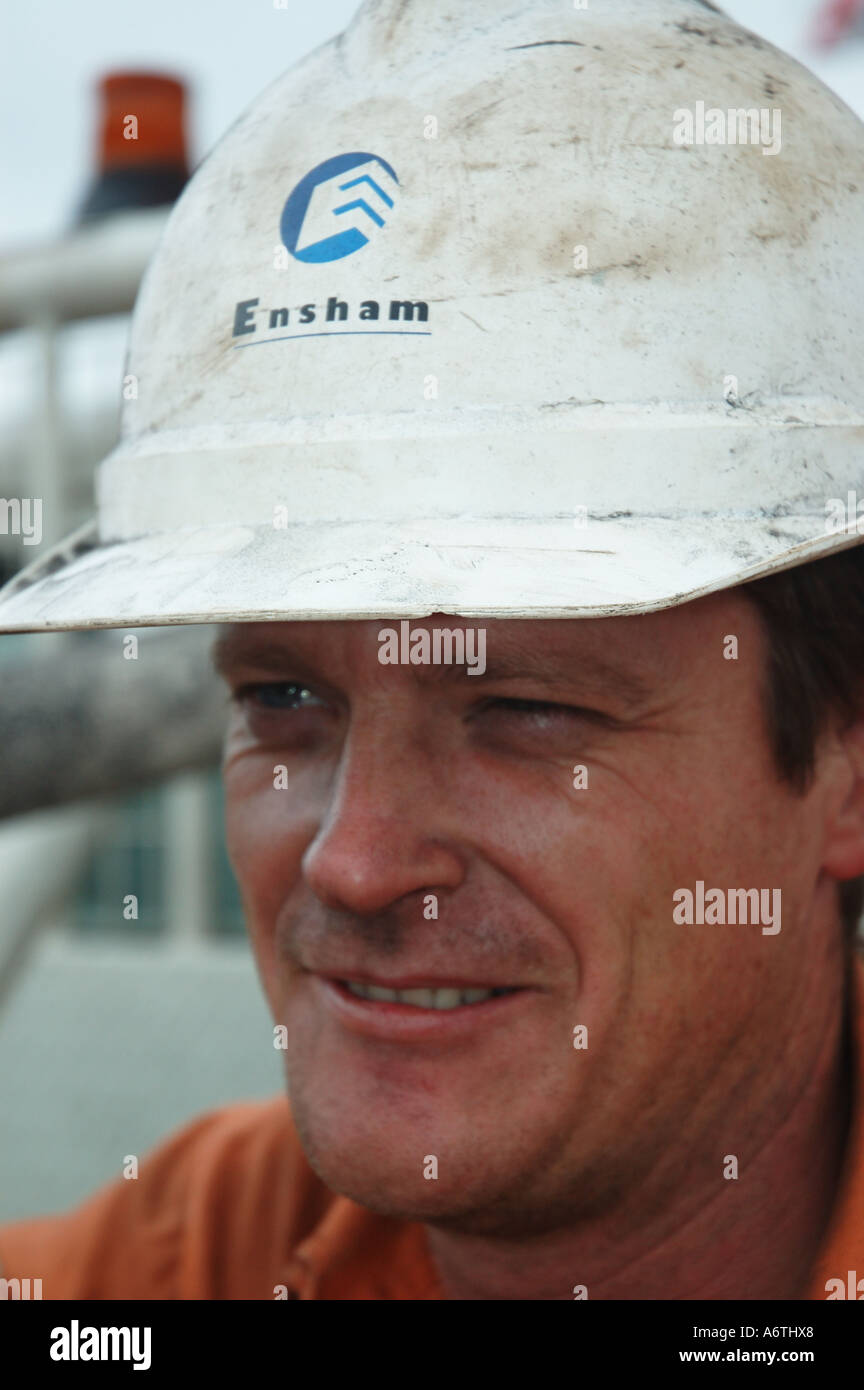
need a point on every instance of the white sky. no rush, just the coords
(228, 50)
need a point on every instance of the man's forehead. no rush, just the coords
(516, 640)
(631, 655)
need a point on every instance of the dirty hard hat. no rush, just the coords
(497, 309)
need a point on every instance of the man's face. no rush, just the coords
(424, 833)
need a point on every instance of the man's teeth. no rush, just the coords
(423, 998)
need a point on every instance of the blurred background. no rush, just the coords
(128, 999)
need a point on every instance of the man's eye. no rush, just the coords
(278, 695)
(541, 709)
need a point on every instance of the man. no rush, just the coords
(545, 792)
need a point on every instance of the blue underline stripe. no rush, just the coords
(345, 333)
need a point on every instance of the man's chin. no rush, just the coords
(447, 1208)
(388, 1188)
(434, 1208)
(388, 1182)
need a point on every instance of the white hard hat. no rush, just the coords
(501, 308)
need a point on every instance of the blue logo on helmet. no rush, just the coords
(334, 210)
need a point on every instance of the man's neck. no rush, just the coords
(751, 1237)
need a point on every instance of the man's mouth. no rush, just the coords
(414, 1009)
(424, 996)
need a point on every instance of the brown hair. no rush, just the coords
(814, 619)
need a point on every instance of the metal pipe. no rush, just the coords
(95, 270)
(41, 862)
(84, 717)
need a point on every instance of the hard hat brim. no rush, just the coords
(363, 570)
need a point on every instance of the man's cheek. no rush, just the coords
(248, 840)
(618, 909)
(261, 816)
(265, 851)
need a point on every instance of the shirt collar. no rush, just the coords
(354, 1254)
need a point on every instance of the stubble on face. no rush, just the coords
(400, 787)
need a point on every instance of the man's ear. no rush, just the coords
(843, 855)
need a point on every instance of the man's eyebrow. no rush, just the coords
(234, 646)
(563, 672)
(591, 672)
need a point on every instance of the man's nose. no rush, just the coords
(387, 830)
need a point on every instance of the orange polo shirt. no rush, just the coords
(228, 1208)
